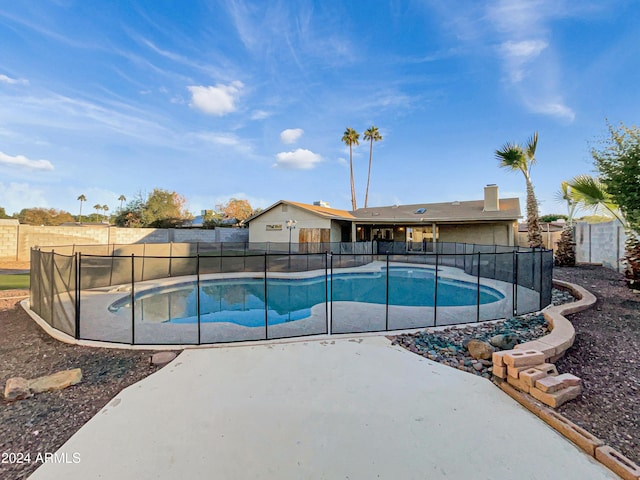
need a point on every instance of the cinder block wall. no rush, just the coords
(17, 240)
(600, 243)
(9, 239)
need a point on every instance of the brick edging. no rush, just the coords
(607, 456)
(562, 335)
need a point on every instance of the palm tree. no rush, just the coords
(565, 255)
(105, 209)
(517, 157)
(122, 199)
(350, 137)
(590, 193)
(82, 198)
(372, 135)
(97, 207)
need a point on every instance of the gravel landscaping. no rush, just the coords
(605, 355)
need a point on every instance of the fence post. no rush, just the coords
(198, 293)
(435, 294)
(386, 319)
(326, 292)
(514, 283)
(331, 293)
(133, 300)
(478, 308)
(541, 273)
(52, 284)
(78, 280)
(266, 304)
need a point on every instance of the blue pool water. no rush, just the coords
(242, 300)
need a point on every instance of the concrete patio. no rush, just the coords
(355, 408)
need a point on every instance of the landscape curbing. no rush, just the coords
(562, 333)
(553, 346)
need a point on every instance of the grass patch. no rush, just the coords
(10, 282)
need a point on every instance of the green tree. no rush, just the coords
(44, 216)
(131, 215)
(371, 135)
(105, 209)
(3, 213)
(350, 137)
(521, 158)
(81, 198)
(618, 164)
(122, 199)
(164, 209)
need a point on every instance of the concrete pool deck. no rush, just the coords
(355, 408)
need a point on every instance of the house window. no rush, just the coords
(420, 210)
(271, 228)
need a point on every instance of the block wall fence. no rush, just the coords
(17, 240)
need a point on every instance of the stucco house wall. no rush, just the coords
(482, 234)
(279, 215)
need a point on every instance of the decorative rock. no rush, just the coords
(162, 358)
(505, 341)
(57, 381)
(479, 349)
(478, 367)
(17, 388)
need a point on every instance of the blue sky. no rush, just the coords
(220, 99)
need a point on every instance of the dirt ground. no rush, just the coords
(606, 355)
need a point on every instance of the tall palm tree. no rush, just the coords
(105, 209)
(122, 199)
(522, 157)
(590, 193)
(81, 198)
(97, 207)
(371, 135)
(350, 137)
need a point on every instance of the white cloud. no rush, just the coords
(22, 161)
(218, 100)
(13, 81)
(554, 109)
(526, 49)
(260, 115)
(291, 135)
(301, 159)
(16, 196)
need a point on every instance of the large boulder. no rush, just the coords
(57, 381)
(480, 350)
(16, 388)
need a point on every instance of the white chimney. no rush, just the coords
(491, 200)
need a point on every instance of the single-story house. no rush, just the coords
(490, 221)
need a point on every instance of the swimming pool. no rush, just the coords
(244, 301)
